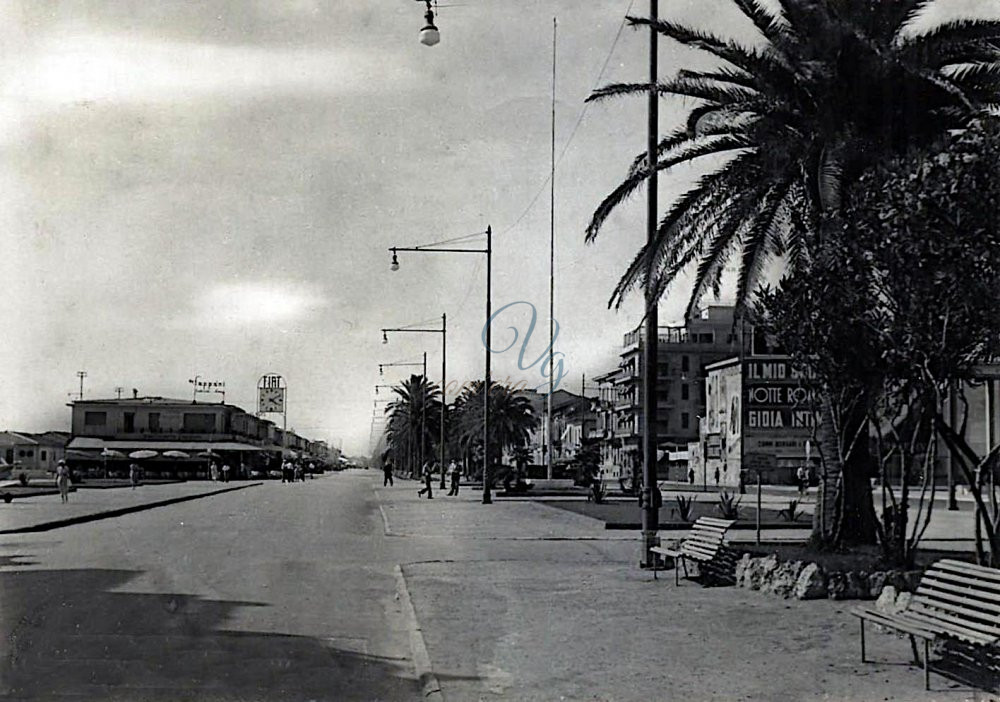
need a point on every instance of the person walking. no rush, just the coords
(225, 472)
(454, 473)
(213, 471)
(428, 481)
(803, 478)
(133, 475)
(62, 480)
(387, 474)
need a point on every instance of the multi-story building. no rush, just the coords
(573, 420)
(683, 353)
(160, 425)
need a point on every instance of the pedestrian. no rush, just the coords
(387, 474)
(454, 473)
(311, 471)
(62, 480)
(225, 472)
(803, 479)
(213, 471)
(428, 481)
(691, 476)
(286, 471)
(716, 475)
(297, 472)
(133, 475)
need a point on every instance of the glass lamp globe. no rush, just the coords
(429, 35)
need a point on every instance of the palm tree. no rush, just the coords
(784, 127)
(833, 87)
(414, 421)
(511, 419)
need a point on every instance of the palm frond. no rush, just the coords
(769, 25)
(762, 240)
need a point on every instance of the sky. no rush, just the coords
(211, 188)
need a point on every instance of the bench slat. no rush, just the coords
(970, 569)
(895, 621)
(937, 591)
(983, 589)
(944, 620)
(970, 617)
(716, 521)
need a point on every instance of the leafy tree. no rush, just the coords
(782, 129)
(898, 305)
(414, 422)
(511, 419)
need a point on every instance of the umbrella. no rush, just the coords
(208, 454)
(176, 454)
(111, 453)
(145, 453)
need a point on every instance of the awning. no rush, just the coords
(95, 444)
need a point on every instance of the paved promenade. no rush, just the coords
(42, 512)
(523, 601)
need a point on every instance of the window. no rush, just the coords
(44, 455)
(708, 338)
(685, 364)
(95, 419)
(129, 422)
(684, 391)
(154, 421)
(685, 420)
(199, 422)
(21, 453)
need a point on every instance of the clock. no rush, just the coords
(271, 400)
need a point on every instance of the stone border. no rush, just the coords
(418, 649)
(804, 580)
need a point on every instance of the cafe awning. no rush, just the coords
(88, 443)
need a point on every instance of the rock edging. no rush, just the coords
(802, 580)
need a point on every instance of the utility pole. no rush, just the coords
(650, 510)
(81, 375)
(118, 391)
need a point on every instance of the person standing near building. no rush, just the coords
(428, 481)
(387, 474)
(133, 475)
(213, 471)
(454, 473)
(802, 475)
(62, 480)
(225, 472)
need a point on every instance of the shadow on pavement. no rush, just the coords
(70, 637)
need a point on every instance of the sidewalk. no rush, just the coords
(44, 512)
(520, 601)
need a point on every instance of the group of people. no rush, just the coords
(453, 472)
(293, 471)
(216, 473)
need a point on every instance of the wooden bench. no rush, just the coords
(704, 544)
(953, 600)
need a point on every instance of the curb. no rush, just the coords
(108, 514)
(418, 649)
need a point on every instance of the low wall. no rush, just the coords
(803, 580)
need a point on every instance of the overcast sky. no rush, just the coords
(210, 188)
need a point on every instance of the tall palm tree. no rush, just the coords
(414, 421)
(511, 418)
(831, 87)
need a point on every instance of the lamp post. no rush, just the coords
(650, 509)
(487, 494)
(429, 34)
(443, 331)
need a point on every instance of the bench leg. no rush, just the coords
(927, 664)
(678, 561)
(862, 639)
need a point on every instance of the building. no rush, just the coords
(573, 420)
(107, 431)
(683, 354)
(34, 454)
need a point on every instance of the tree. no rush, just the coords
(832, 88)
(511, 419)
(901, 302)
(414, 422)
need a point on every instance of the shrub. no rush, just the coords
(729, 505)
(792, 512)
(685, 505)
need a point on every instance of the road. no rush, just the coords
(271, 593)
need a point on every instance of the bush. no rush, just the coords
(685, 506)
(729, 505)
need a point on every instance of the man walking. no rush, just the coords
(454, 474)
(387, 474)
(225, 472)
(428, 481)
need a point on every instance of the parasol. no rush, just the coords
(111, 453)
(176, 454)
(144, 453)
(208, 454)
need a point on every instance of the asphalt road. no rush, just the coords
(279, 592)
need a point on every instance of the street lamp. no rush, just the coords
(443, 331)
(429, 34)
(487, 494)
